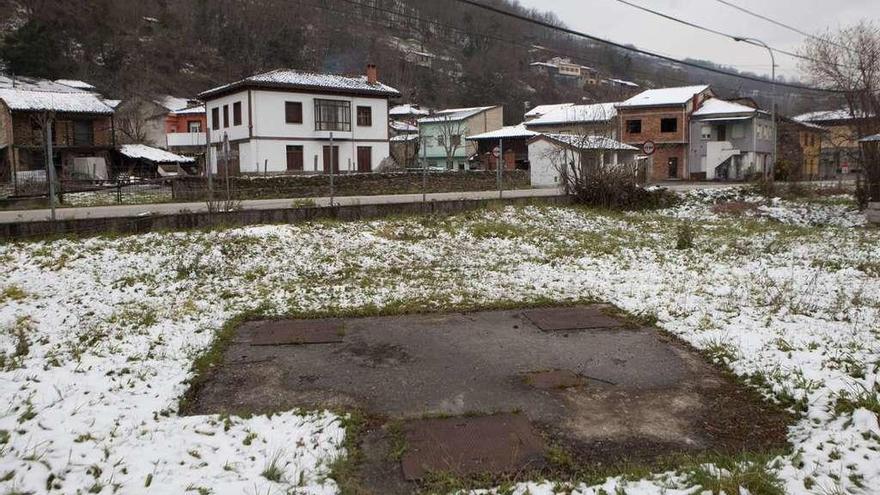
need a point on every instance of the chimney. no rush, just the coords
(372, 74)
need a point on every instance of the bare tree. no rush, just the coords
(848, 61)
(449, 136)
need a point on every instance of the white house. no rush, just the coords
(283, 121)
(548, 154)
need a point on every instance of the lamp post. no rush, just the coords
(773, 102)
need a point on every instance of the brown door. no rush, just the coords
(365, 159)
(327, 159)
(673, 167)
(232, 162)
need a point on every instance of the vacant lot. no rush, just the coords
(100, 336)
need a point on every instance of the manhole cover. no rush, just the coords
(571, 319)
(292, 332)
(554, 379)
(499, 444)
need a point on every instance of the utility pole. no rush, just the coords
(208, 166)
(773, 104)
(424, 141)
(499, 163)
(331, 169)
(50, 165)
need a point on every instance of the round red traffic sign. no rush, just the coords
(649, 147)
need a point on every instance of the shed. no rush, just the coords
(145, 161)
(548, 154)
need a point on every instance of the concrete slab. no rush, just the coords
(497, 444)
(645, 395)
(554, 379)
(294, 332)
(579, 318)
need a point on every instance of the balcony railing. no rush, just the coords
(175, 139)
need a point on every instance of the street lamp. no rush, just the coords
(773, 101)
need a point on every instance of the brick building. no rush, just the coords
(663, 117)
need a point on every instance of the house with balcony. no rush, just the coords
(291, 121)
(564, 71)
(662, 117)
(81, 125)
(444, 135)
(729, 141)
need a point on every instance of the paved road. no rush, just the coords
(257, 204)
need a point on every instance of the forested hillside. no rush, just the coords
(439, 53)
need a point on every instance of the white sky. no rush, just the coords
(615, 21)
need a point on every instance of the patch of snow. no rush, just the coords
(144, 152)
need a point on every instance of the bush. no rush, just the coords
(684, 236)
(616, 188)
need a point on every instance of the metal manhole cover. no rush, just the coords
(295, 332)
(498, 444)
(554, 379)
(581, 318)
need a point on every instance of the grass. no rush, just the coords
(12, 293)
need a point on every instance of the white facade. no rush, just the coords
(263, 138)
(545, 163)
(548, 156)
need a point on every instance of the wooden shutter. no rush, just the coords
(294, 158)
(293, 112)
(327, 159)
(364, 159)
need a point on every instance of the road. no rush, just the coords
(259, 204)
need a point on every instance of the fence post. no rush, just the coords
(499, 165)
(50, 163)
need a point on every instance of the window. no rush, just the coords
(236, 113)
(634, 126)
(706, 133)
(293, 112)
(365, 116)
(83, 133)
(194, 126)
(441, 140)
(294, 158)
(668, 125)
(215, 118)
(455, 139)
(225, 116)
(332, 115)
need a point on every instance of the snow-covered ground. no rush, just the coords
(99, 335)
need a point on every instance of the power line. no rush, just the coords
(647, 75)
(597, 39)
(772, 21)
(714, 31)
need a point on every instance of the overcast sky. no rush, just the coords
(612, 20)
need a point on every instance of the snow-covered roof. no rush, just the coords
(404, 137)
(509, 132)
(406, 110)
(73, 83)
(191, 110)
(35, 84)
(112, 103)
(623, 82)
(587, 142)
(156, 155)
(453, 114)
(574, 114)
(74, 102)
(824, 116)
(717, 106)
(664, 96)
(402, 126)
(871, 139)
(172, 103)
(297, 79)
(545, 109)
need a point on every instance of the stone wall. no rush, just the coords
(310, 186)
